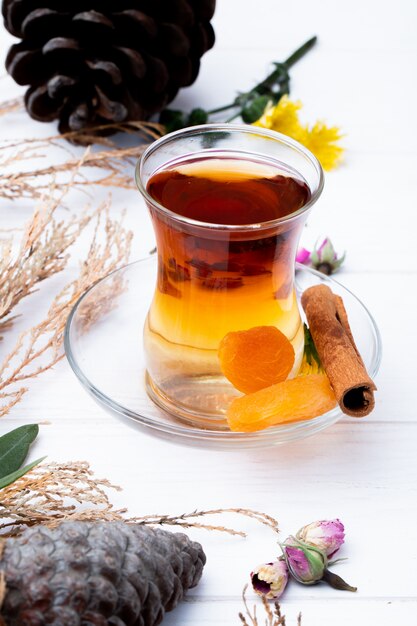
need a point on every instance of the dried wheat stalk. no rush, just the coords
(42, 253)
(273, 616)
(40, 348)
(106, 167)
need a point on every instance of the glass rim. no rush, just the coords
(237, 128)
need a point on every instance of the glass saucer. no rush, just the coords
(103, 344)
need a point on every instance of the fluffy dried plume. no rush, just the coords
(40, 348)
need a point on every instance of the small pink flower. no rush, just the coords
(323, 258)
(303, 256)
(270, 579)
(306, 564)
(327, 535)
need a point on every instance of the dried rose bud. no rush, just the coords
(308, 565)
(270, 579)
(327, 535)
(324, 258)
(303, 256)
(305, 563)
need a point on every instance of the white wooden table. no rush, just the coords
(361, 76)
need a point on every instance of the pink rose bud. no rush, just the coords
(306, 564)
(325, 259)
(303, 256)
(270, 579)
(327, 535)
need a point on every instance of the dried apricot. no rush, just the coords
(293, 400)
(256, 358)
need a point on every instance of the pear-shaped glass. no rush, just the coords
(226, 255)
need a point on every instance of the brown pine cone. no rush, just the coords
(96, 574)
(90, 63)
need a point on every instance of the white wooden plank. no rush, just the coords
(314, 613)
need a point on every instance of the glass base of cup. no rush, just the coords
(197, 400)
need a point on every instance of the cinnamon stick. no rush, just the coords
(329, 327)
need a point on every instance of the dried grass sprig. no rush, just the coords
(141, 129)
(106, 166)
(145, 130)
(52, 493)
(273, 616)
(187, 520)
(40, 348)
(107, 171)
(41, 254)
(8, 106)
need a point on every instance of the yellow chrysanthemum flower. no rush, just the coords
(320, 139)
(283, 117)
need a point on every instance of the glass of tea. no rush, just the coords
(228, 203)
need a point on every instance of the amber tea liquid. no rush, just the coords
(216, 274)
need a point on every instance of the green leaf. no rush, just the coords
(310, 349)
(14, 447)
(5, 481)
(255, 109)
(172, 120)
(197, 116)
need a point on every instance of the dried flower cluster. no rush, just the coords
(305, 558)
(41, 254)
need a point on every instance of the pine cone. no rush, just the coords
(90, 63)
(96, 574)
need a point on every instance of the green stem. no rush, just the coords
(292, 59)
(270, 80)
(298, 54)
(220, 109)
(230, 119)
